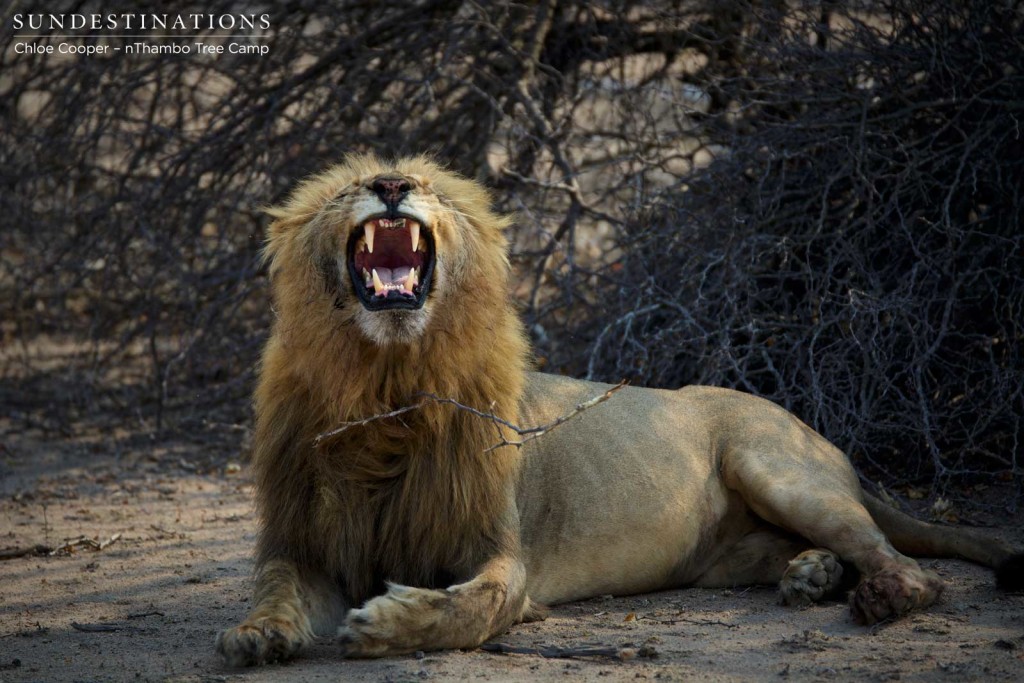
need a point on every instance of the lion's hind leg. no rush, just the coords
(794, 479)
(758, 558)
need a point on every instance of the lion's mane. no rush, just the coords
(413, 498)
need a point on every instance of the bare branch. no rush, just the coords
(529, 433)
(345, 426)
(621, 653)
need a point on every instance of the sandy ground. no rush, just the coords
(149, 605)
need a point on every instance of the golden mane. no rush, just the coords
(409, 494)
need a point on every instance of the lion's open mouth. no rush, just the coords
(390, 261)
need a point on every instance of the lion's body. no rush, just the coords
(629, 497)
(626, 498)
(390, 513)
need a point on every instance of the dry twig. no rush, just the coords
(620, 653)
(365, 421)
(70, 545)
(529, 433)
(142, 615)
(37, 549)
(103, 628)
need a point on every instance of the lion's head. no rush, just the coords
(391, 244)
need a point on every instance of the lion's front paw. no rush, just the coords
(810, 576)
(361, 636)
(402, 620)
(892, 593)
(261, 641)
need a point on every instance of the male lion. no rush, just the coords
(409, 531)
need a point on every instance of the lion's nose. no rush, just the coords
(391, 191)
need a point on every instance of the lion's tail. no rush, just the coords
(914, 537)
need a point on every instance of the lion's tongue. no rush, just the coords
(388, 279)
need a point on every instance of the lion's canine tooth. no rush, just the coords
(368, 233)
(378, 286)
(408, 283)
(414, 230)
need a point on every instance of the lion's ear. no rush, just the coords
(473, 200)
(285, 219)
(285, 224)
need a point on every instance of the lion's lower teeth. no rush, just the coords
(380, 288)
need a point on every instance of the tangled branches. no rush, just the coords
(866, 270)
(818, 202)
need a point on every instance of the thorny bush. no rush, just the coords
(817, 202)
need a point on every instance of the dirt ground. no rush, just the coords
(148, 605)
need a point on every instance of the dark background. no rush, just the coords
(817, 202)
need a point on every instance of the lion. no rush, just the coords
(393, 521)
